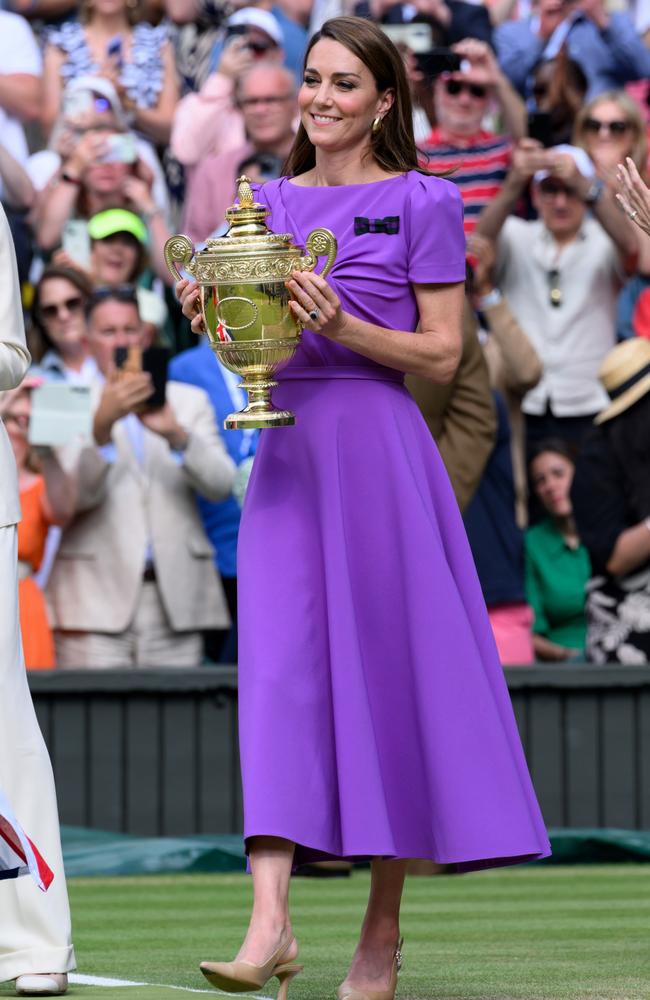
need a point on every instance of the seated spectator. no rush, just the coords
(195, 28)
(557, 564)
(611, 501)
(475, 159)
(455, 19)
(209, 123)
(118, 256)
(609, 129)
(91, 103)
(266, 98)
(57, 337)
(559, 89)
(134, 582)
(561, 275)
(90, 181)
(46, 498)
(605, 45)
(20, 82)
(200, 367)
(136, 58)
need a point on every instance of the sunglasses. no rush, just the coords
(72, 305)
(259, 48)
(596, 127)
(454, 87)
(554, 290)
(121, 293)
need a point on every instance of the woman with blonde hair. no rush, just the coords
(136, 57)
(610, 128)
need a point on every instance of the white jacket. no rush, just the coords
(14, 362)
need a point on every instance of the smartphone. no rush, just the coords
(539, 127)
(235, 31)
(60, 414)
(417, 36)
(154, 360)
(76, 242)
(121, 147)
(437, 61)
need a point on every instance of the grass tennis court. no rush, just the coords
(532, 932)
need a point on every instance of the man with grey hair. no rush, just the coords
(266, 97)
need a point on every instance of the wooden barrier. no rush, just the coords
(155, 752)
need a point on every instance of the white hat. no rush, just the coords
(579, 157)
(257, 18)
(98, 85)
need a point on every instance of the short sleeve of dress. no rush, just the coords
(434, 227)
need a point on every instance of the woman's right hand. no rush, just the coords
(188, 294)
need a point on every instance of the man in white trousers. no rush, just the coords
(35, 940)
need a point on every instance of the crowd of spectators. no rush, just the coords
(122, 121)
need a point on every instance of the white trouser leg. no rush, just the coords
(34, 926)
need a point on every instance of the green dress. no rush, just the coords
(556, 577)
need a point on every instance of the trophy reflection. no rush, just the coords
(244, 302)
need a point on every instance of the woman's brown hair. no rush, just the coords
(80, 281)
(393, 145)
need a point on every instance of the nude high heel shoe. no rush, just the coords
(348, 992)
(242, 977)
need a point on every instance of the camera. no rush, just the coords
(432, 60)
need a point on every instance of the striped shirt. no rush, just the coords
(478, 167)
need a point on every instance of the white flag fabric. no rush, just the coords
(18, 855)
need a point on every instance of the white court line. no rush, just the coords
(81, 980)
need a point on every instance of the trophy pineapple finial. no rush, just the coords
(245, 192)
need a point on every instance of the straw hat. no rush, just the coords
(625, 373)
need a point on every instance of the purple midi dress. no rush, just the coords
(374, 717)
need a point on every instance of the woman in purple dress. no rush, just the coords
(374, 718)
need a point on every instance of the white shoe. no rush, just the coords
(48, 984)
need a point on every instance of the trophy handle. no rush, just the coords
(178, 250)
(319, 243)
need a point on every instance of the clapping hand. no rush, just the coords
(633, 195)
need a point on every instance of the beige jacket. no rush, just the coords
(461, 415)
(122, 506)
(515, 368)
(14, 361)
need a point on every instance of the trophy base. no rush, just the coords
(251, 420)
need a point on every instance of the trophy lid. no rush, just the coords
(248, 230)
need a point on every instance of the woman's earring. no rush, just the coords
(376, 125)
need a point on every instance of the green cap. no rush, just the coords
(117, 220)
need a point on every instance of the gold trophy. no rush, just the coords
(244, 302)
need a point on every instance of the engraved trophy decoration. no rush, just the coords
(244, 302)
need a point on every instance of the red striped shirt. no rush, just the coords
(479, 168)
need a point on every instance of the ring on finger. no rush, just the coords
(314, 313)
(633, 214)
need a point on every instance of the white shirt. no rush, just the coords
(19, 53)
(573, 338)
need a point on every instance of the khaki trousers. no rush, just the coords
(34, 926)
(148, 641)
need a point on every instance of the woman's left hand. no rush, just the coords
(633, 195)
(315, 303)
